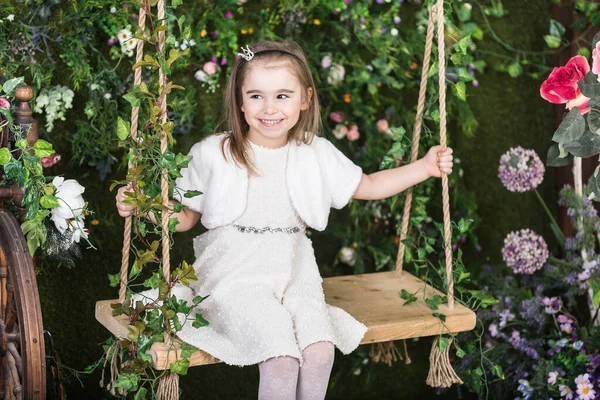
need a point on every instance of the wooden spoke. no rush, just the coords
(23, 371)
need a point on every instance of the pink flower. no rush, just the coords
(210, 67)
(353, 134)
(552, 377)
(50, 160)
(337, 116)
(4, 103)
(384, 127)
(561, 86)
(228, 14)
(596, 59)
(326, 61)
(565, 392)
(201, 75)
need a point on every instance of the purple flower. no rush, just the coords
(521, 170)
(213, 34)
(475, 83)
(552, 304)
(379, 1)
(347, 1)
(397, 20)
(228, 14)
(524, 251)
(223, 61)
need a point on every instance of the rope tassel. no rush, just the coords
(441, 373)
(387, 352)
(168, 387)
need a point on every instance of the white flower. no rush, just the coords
(347, 255)
(340, 131)
(77, 227)
(201, 75)
(192, 43)
(11, 17)
(113, 10)
(70, 202)
(565, 392)
(93, 86)
(107, 96)
(394, 32)
(183, 46)
(336, 74)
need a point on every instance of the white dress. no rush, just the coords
(265, 293)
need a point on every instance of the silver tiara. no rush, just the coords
(246, 53)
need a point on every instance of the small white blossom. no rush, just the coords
(11, 17)
(113, 10)
(394, 32)
(93, 86)
(107, 96)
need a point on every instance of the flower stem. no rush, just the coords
(561, 262)
(552, 220)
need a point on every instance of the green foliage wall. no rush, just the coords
(509, 112)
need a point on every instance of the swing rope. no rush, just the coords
(134, 127)
(415, 144)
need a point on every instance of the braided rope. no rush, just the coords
(439, 6)
(415, 143)
(445, 196)
(134, 127)
(164, 182)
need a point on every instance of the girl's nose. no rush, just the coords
(269, 108)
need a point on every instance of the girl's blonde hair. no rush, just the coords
(265, 53)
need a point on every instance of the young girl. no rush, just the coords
(263, 183)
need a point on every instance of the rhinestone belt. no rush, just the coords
(251, 229)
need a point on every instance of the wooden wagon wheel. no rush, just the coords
(22, 353)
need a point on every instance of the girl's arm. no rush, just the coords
(187, 217)
(386, 183)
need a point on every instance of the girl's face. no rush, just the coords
(272, 99)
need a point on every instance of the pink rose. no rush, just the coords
(353, 134)
(337, 116)
(50, 160)
(326, 61)
(384, 127)
(4, 103)
(596, 59)
(561, 86)
(210, 67)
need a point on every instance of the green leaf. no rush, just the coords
(589, 85)
(497, 371)
(22, 144)
(123, 129)
(593, 185)
(556, 28)
(514, 70)
(5, 156)
(199, 321)
(463, 225)
(554, 160)
(586, 146)
(440, 316)
(552, 42)
(11, 84)
(460, 353)
(442, 343)
(192, 193)
(178, 207)
(187, 349)
(460, 90)
(571, 128)
(43, 148)
(114, 279)
(180, 367)
(129, 382)
(135, 99)
(173, 222)
(154, 281)
(135, 269)
(49, 201)
(409, 297)
(141, 394)
(198, 299)
(593, 119)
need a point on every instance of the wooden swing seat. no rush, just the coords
(373, 299)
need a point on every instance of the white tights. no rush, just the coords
(281, 378)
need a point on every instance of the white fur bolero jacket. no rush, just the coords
(318, 175)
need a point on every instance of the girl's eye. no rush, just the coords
(283, 96)
(255, 96)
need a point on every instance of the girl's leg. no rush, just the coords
(315, 371)
(278, 378)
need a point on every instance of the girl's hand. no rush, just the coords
(125, 210)
(437, 160)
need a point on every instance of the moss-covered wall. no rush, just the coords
(510, 113)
